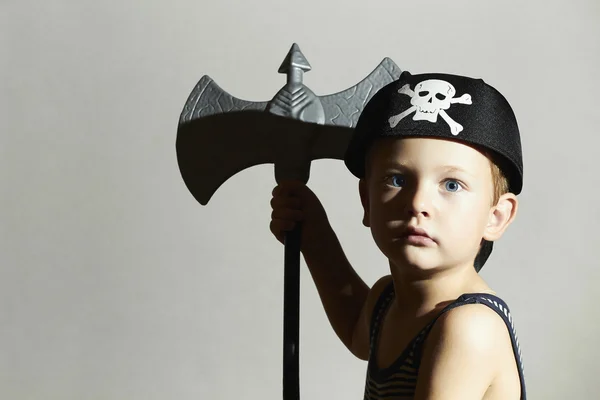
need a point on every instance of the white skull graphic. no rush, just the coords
(430, 97)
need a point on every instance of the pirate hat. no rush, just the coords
(447, 106)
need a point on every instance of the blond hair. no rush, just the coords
(499, 180)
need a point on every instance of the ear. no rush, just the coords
(363, 189)
(501, 216)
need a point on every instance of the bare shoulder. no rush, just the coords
(463, 354)
(374, 295)
(377, 288)
(360, 336)
(474, 324)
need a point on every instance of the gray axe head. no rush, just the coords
(220, 135)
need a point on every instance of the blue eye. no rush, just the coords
(397, 180)
(452, 185)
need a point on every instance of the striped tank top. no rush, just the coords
(399, 380)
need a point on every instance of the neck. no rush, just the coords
(420, 292)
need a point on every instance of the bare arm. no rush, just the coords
(347, 299)
(462, 354)
(345, 296)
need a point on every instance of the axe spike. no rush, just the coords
(294, 59)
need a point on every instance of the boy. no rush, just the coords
(439, 163)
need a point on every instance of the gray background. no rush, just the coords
(116, 284)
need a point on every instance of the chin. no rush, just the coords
(412, 256)
(416, 259)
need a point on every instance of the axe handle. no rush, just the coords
(291, 315)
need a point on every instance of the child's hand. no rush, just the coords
(292, 203)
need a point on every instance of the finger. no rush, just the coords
(279, 226)
(291, 183)
(287, 214)
(286, 202)
(290, 187)
(276, 231)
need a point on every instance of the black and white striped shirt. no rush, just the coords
(399, 380)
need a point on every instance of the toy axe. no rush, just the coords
(220, 135)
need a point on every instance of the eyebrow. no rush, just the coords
(453, 168)
(444, 168)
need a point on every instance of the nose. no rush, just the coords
(418, 201)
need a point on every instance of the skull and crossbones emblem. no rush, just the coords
(430, 98)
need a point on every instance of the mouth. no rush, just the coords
(415, 231)
(418, 236)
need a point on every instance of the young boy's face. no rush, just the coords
(440, 186)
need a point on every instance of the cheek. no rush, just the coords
(385, 205)
(467, 218)
(383, 211)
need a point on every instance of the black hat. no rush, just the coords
(448, 106)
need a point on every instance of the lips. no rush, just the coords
(419, 236)
(414, 231)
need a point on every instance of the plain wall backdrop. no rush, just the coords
(116, 284)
